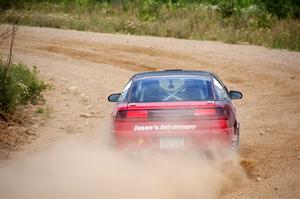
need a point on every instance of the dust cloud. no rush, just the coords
(91, 168)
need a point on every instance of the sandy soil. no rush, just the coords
(86, 67)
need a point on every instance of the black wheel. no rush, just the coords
(236, 138)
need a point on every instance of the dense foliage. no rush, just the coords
(280, 8)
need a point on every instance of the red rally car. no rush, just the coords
(175, 109)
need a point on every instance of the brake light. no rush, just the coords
(132, 114)
(137, 114)
(204, 112)
(218, 115)
(219, 111)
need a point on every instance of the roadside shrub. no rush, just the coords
(149, 10)
(283, 8)
(19, 86)
(286, 34)
(226, 8)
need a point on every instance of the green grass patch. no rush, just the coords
(40, 110)
(19, 85)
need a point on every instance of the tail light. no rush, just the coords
(132, 114)
(137, 114)
(207, 112)
(218, 111)
(217, 114)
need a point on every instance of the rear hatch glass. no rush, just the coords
(171, 88)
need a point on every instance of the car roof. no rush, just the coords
(173, 72)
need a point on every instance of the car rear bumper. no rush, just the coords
(175, 139)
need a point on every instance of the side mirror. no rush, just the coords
(235, 95)
(114, 97)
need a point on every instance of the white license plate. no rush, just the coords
(171, 143)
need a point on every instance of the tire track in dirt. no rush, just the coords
(136, 58)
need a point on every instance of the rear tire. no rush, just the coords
(236, 138)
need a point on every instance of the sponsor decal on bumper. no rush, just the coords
(163, 127)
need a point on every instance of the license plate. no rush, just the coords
(171, 143)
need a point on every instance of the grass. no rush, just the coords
(250, 24)
(45, 111)
(19, 85)
(40, 110)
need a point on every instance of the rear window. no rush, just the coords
(166, 89)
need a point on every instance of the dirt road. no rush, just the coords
(84, 68)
